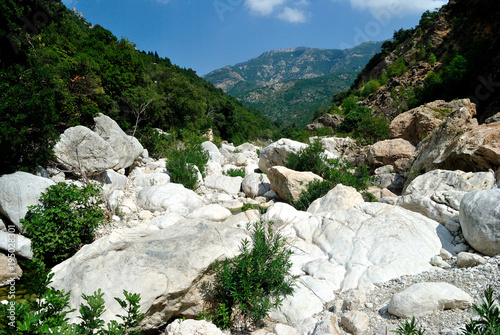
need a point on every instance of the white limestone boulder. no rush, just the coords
(231, 185)
(437, 194)
(256, 185)
(82, 151)
(18, 191)
(427, 298)
(480, 220)
(127, 148)
(339, 198)
(277, 153)
(169, 197)
(166, 267)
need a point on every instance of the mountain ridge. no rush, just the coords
(269, 81)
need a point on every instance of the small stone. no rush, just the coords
(281, 329)
(469, 260)
(439, 262)
(445, 254)
(145, 215)
(354, 299)
(462, 247)
(452, 226)
(355, 322)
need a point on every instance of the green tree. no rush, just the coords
(66, 218)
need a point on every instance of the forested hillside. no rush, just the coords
(289, 84)
(57, 70)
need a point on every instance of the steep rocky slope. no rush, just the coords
(452, 53)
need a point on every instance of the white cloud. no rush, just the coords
(263, 7)
(397, 7)
(293, 15)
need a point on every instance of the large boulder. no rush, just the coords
(151, 179)
(339, 198)
(476, 150)
(277, 153)
(365, 244)
(460, 119)
(427, 298)
(418, 123)
(127, 148)
(231, 185)
(347, 148)
(480, 220)
(169, 197)
(256, 185)
(395, 152)
(437, 194)
(82, 151)
(9, 270)
(213, 152)
(168, 268)
(18, 191)
(16, 244)
(289, 184)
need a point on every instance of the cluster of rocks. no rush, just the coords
(427, 248)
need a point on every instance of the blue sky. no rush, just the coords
(208, 34)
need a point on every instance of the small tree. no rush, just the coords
(256, 280)
(65, 219)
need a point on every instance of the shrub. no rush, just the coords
(236, 172)
(409, 328)
(432, 59)
(372, 129)
(46, 311)
(370, 87)
(255, 281)
(182, 161)
(353, 117)
(336, 172)
(397, 68)
(489, 317)
(65, 219)
(311, 158)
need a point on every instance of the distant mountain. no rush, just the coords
(289, 84)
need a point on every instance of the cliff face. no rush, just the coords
(457, 47)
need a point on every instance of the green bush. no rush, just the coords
(372, 129)
(489, 317)
(46, 311)
(66, 218)
(432, 59)
(311, 158)
(181, 163)
(409, 328)
(397, 68)
(336, 172)
(370, 87)
(353, 117)
(236, 172)
(255, 281)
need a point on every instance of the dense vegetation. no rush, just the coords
(57, 71)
